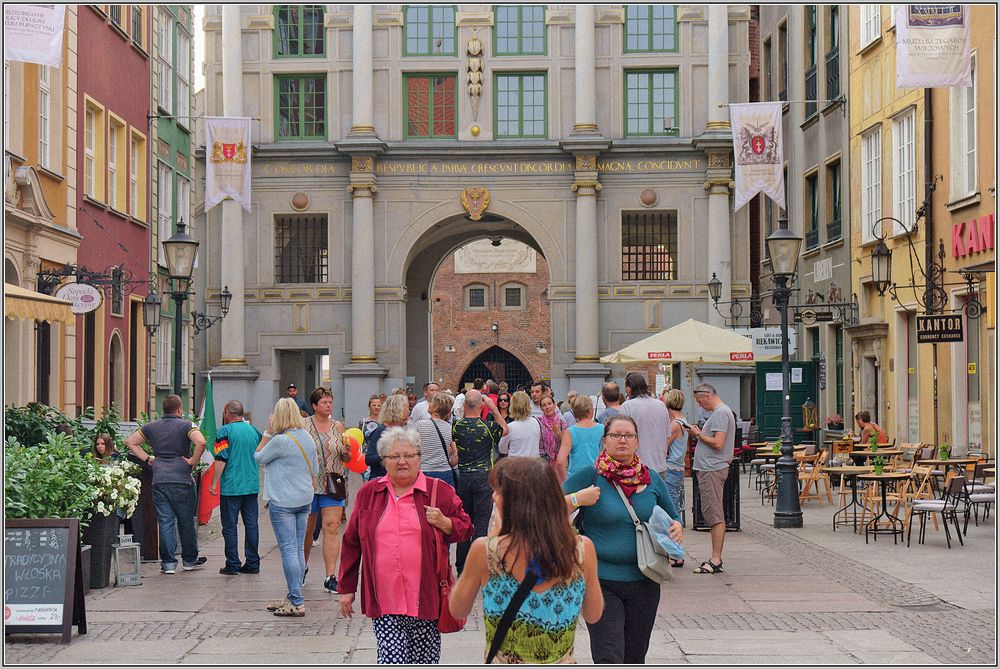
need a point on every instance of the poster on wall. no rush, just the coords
(932, 46)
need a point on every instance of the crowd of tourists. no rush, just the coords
(550, 505)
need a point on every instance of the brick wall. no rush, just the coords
(454, 327)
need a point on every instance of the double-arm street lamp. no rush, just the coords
(181, 250)
(783, 247)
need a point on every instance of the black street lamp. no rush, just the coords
(180, 250)
(881, 267)
(783, 247)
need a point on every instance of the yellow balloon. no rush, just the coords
(356, 433)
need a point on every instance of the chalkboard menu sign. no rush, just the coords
(43, 588)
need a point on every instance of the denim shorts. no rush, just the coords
(322, 501)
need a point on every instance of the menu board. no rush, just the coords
(43, 589)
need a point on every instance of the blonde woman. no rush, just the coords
(439, 456)
(525, 432)
(288, 454)
(395, 413)
(581, 443)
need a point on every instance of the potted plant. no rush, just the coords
(873, 442)
(777, 446)
(879, 464)
(834, 422)
(115, 496)
(944, 451)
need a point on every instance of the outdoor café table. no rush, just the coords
(850, 472)
(990, 471)
(769, 454)
(872, 525)
(944, 463)
(857, 456)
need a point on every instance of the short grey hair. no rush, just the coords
(397, 434)
(705, 388)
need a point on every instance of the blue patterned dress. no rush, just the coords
(544, 629)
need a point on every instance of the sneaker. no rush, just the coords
(277, 604)
(249, 570)
(170, 570)
(330, 584)
(315, 542)
(304, 574)
(229, 571)
(198, 564)
(289, 610)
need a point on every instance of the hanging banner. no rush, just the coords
(757, 149)
(932, 46)
(33, 33)
(227, 170)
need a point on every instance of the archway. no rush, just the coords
(498, 364)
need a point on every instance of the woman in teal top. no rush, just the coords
(622, 634)
(533, 531)
(581, 443)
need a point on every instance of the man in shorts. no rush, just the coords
(711, 465)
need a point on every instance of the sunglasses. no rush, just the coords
(503, 399)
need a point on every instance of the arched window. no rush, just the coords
(477, 297)
(513, 296)
(299, 31)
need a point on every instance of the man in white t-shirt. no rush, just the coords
(420, 409)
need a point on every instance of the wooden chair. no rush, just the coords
(812, 473)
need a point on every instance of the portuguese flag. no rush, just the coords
(207, 502)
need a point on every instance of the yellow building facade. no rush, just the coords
(919, 392)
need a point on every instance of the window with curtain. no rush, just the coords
(429, 30)
(651, 102)
(964, 137)
(299, 31)
(871, 24)
(301, 107)
(650, 28)
(519, 30)
(430, 105)
(165, 60)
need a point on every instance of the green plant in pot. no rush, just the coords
(873, 442)
(777, 446)
(879, 464)
(944, 451)
(48, 479)
(116, 495)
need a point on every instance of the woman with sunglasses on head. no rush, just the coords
(631, 599)
(370, 422)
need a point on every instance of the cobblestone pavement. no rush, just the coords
(800, 596)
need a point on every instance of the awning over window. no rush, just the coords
(28, 305)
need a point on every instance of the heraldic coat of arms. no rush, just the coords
(228, 153)
(758, 145)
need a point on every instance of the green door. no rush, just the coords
(803, 387)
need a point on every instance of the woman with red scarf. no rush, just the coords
(552, 427)
(622, 634)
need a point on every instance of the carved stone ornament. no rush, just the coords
(719, 159)
(474, 65)
(648, 197)
(475, 201)
(588, 163)
(361, 164)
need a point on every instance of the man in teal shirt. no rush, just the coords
(237, 471)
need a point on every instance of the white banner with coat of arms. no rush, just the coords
(932, 46)
(227, 169)
(33, 33)
(757, 150)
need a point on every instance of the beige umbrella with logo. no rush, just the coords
(691, 341)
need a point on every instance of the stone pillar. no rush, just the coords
(585, 99)
(233, 342)
(362, 120)
(719, 173)
(363, 190)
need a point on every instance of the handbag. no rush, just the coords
(652, 558)
(446, 622)
(447, 458)
(336, 484)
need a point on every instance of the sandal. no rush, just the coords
(277, 604)
(707, 567)
(288, 610)
(677, 563)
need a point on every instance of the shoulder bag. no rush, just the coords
(336, 484)
(447, 457)
(446, 578)
(652, 558)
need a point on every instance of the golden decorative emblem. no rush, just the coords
(223, 152)
(361, 164)
(586, 163)
(475, 201)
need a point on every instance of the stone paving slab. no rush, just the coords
(765, 660)
(102, 652)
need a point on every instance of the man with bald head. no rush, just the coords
(237, 471)
(476, 439)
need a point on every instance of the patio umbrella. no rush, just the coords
(691, 341)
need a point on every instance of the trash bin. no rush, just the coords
(730, 500)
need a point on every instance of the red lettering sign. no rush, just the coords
(744, 355)
(957, 247)
(659, 355)
(972, 236)
(986, 232)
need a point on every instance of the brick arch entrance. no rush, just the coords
(498, 364)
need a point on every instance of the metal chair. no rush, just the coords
(946, 506)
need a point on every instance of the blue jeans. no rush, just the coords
(289, 525)
(230, 508)
(446, 476)
(175, 508)
(675, 486)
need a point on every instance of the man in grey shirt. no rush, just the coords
(652, 422)
(611, 395)
(174, 494)
(711, 465)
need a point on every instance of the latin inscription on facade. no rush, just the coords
(481, 257)
(477, 167)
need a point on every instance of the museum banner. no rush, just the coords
(932, 46)
(227, 170)
(758, 153)
(33, 33)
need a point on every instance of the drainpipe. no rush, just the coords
(930, 297)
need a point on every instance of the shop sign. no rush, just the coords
(938, 329)
(83, 297)
(767, 341)
(972, 236)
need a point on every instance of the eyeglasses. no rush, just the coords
(627, 436)
(409, 457)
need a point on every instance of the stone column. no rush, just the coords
(586, 188)
(362, 120)
(719, 172)
(363, 190)
(585, 69)
(233, 342)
